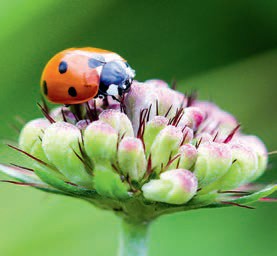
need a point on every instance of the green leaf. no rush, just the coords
(26, 177)
(67, 188)
(268, 190)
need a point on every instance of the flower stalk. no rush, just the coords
(133, 238)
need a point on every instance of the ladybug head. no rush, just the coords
(69, 78)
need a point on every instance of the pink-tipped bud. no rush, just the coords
(243, 169)
(188, 135)
(131, 158)
(213, 161)
(192, 118)
(152, 129)
(60, 114)
(165, 146)
(119, 121)
(173, 187)
(188, 156)
(100, 141)
(259, 148)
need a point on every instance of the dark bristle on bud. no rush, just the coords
(171, 160)
(46, 114)
(198, 143)
(191, 98)
(27, 154)
(92, 114)
(63, 115)
(167, 112)
(177, 118)
(22, 167)
(238, 205)
(174, 85)
(19, 183)
(231, 135)
(143, 118)
(184, 139)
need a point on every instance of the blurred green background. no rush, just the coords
(227, 50)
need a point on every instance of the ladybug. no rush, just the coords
(76, 75)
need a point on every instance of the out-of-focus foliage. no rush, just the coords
(225, 49)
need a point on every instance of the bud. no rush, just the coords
(139, 98)
(259, 148)
(174, 187)
(31, 136)
(100, 140)
(188, 135)
(131, 158)
(158, 99)
(213, 161)
(204, 137)
(193, 117)
(164, 146)
(119, 121)
(216, 119)
(152, 129)
(169, 101)
(108, 183)
(61, 146)
(83, 124)
(62, 113)
(156, 83)
(188, 156)
(244, 167)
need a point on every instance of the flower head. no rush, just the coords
(158, 151)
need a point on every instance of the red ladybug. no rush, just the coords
(76, 75)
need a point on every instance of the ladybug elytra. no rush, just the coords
(76, 75)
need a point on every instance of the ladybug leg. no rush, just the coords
(105, 102)
(116, 99)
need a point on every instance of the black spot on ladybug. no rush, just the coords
(63, 67)
(94, 63)
(44, 87)
(72, 92)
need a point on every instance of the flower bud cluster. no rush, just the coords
(157, 146)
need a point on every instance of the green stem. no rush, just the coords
(77, 110)
(133, 239)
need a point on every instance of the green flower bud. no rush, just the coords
(31, 137)
(100, 141)
(131, 158)
(165, 145)
(174, 187)
(108, 183)
(213, 161)
(244, 167)
(152, 129)
(119, 121)
(61, 146)
(259, 148)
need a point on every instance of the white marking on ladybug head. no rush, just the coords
(130, 72)
(113, 90)
(99, 70)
